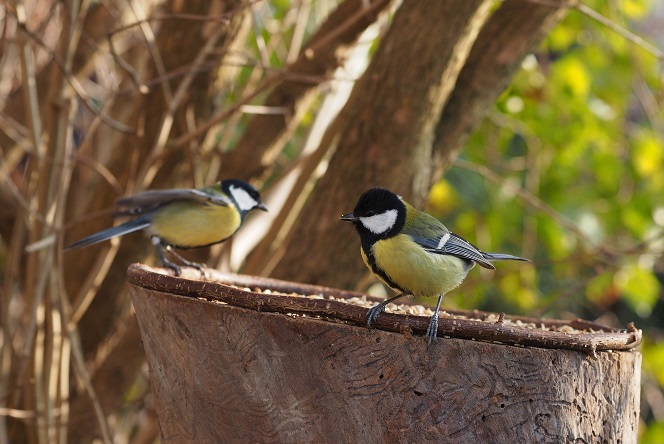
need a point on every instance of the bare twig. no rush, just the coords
(146, 174)
(74, 83)
(530, 199)
(79, 365)
(620, 30)
(152, 47)
(225, 113)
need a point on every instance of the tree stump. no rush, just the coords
(231, 364)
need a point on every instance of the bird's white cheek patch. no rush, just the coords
(380, 223)
(244, 201)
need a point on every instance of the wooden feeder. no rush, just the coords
(245, 359)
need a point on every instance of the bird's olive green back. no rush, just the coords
(419, 223)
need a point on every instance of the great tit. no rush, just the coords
(183, 218)
(412, 251)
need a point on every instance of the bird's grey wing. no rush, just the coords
(450, 243)
(141, 203)
(434, 237)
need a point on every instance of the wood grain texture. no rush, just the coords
(222, 373)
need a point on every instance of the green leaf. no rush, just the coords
(639, 287)
(600, 289)
(653, 360)
(653, 434)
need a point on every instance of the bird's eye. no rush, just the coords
(371, 213)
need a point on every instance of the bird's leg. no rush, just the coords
(198, 266)
(432, 330)
(373, 313)
(156, 241)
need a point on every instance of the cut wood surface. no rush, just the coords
(224, 373)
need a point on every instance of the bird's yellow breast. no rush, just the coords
(418, 272)
(192, 224)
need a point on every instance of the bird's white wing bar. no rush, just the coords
(443, 241)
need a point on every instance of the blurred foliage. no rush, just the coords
(654, 434)
(580, 129)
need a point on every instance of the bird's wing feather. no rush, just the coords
(148, 200)
(454, 245)
(140, 223)
(427, 231)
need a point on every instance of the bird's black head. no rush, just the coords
(245, 196)
(379, 214)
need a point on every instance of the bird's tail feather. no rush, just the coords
(503, 257)
(137, 224)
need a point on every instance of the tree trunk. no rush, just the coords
(297, 369)
(408, 117)
(384, 134)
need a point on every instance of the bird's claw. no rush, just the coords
(373, 313)
(177, 270)
(201, 268)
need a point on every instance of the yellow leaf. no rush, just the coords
(443, 197)
(574, 76)
(635, 9)
(648, 155)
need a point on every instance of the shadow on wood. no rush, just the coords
(227, 373)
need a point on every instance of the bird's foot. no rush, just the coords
(373, 313)
(432, 330)
(170, 265)
(202, 268)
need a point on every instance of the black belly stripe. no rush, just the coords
(379, 271)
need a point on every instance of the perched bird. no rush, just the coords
(412, 251)
(183, 218)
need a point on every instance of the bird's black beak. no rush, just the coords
(350, 217)
(261, 206)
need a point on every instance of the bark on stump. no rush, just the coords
(254, 369)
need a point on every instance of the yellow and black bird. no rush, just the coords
(183, 218)
(412, 251)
